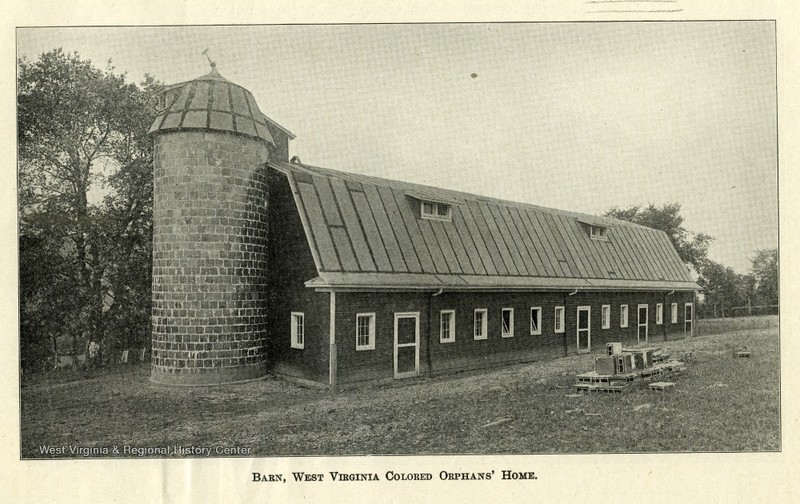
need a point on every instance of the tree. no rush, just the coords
(765, 271)
(723, 288)
(692, 247)
(82, 130)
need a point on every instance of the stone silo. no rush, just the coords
(209, 234)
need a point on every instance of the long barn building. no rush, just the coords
(262, 264)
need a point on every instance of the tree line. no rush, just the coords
(85, 208)
(725, 292)
(85, 199)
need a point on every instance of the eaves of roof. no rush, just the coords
(461, 283)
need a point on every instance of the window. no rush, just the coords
(164, 100)
(623, 315)
(437, 211)
(365, 331)
(507, 317)
(605, 316)
(298, 330)
(558, 324)
(659, 314)
(674, 313)
(536, 320)
(480, 324)
(447, 326)
(597, 232)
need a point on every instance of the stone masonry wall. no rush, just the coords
(209, 258)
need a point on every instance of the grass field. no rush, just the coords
(718, 404)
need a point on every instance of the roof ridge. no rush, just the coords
(459, 194)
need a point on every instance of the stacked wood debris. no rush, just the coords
(622, 366)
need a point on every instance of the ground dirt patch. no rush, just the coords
(719, 403)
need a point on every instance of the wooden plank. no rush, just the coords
(371, 231)
(536, 242)
(322, 237)
(445, 246)
(460, 249)
(353, 225)
(522, 240)
(481, 211)
(417, 240)
(433, 245)
(466, 239)
(478, 226)
(344, 249)
(399, 227)
(477, 239)
(327, 200)
(385, 228)
(509, 239)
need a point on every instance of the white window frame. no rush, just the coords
(558, 320)
(434, 213)
(674, 314)
(370, 345)
(623, 315)
(538, 330)
(301, 344)
(510, 332)
(484, 324)
(659, 313)
(605, 316)
(450, 338)
(598, 232)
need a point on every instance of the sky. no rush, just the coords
(577, 116)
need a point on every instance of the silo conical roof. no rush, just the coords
(210, 102)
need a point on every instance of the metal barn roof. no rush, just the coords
(366, 233)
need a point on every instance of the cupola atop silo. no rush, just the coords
(210, 102)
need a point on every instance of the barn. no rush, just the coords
(265, 264)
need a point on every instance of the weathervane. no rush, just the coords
(212, 63)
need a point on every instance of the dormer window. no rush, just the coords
(434, 210)
(598, 232)
(597, 228)
(164, 100)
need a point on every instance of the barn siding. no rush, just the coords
(291, 264)
(466, 353)
(361, 365)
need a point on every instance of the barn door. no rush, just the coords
(406, 345)
(641, 330)
(584, 329)
(688, 319)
